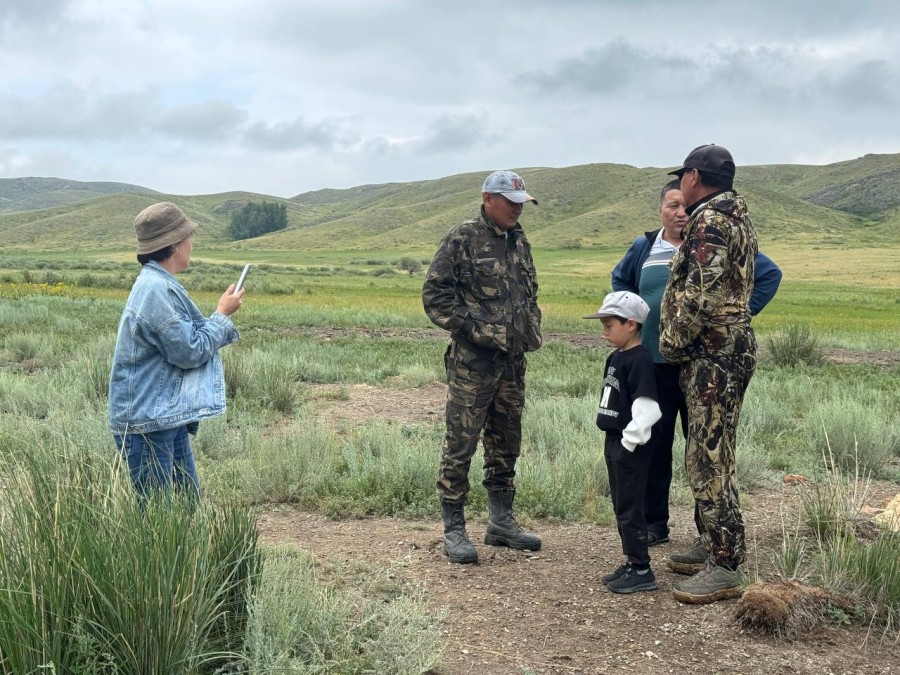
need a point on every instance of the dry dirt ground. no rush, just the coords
(547, 612)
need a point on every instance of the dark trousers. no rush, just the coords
(628, 473)
(672, 405)
(485, 400)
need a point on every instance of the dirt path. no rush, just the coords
(547, 612)
(832, 354)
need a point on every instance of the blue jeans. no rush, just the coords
(160, 460)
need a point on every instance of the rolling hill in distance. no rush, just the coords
(855, 203)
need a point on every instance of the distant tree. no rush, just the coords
(411, 265)
(256, 218)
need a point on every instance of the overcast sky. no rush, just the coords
(284, 96)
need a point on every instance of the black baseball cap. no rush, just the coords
(710, 159)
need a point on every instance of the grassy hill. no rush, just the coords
(107, 223)
(847, 204)
(25, 194)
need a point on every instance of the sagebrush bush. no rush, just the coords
(794, 345)
(24, 346)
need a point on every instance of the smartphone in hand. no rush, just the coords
(240, 283)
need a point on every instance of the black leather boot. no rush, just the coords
(456, 542)
(502, 528)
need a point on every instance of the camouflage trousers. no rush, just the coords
(485, 399)
(714, 389)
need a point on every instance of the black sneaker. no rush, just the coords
(612, 576)
(632, 582)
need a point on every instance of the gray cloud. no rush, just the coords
(293, 135)
(204, 119)
(329, 94)
(31, 10)
(68, 112)
(871, 84)
(609, 69)
(454, 133)
(71, 113)
(764, 75)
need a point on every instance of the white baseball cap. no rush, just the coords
(508, 184)
(624, 304)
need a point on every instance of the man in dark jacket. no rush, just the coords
(481, 287)
(645, 270)
(705, 321)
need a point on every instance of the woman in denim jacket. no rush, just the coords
(166, 372)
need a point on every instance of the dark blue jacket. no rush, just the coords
(625, 275)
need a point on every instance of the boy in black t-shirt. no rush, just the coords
(628, 409)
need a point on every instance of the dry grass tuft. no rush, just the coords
(785, 610)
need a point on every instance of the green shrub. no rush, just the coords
(384, 272)
(24, 346)
(409, 265)
(794, 345)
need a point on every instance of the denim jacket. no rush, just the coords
(166, 369)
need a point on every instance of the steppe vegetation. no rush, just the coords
(57, 326)
(333, 304)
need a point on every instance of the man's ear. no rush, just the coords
(694, 178)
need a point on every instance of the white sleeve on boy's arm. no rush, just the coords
(645, 413)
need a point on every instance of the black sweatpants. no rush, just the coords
(671, 404)
(627, 487)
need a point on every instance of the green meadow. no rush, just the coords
(328, 307)
(58, 317)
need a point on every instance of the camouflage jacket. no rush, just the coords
(482, 287)
(707, 299)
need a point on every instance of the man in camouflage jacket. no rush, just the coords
(481, 286)
(705, 326)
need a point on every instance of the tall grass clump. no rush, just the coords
(790, 558)
(794, 345)
(262, 379)
(833, 501)
(92, 582)
(859, 430)
(857, 570)
(301, 623)
(89, 371)
(874, 571)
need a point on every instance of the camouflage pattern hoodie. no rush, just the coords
(482, 287)
(705, 309)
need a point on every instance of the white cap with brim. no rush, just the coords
(624, 304)
(508, 184)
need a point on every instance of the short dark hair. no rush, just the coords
(674, 184)
(623, 320)
(158, 255)
(715, 180)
